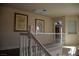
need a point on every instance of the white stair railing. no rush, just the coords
(30, 46)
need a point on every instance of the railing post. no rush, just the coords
(61, 41)
(21, 46)
(29, 42)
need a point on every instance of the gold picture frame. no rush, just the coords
(39, 25)
(20, 22)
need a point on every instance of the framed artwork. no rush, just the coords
(39, 25)
(20, 22)
(72, 29)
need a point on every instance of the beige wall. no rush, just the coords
(10, 39)
(72, 39)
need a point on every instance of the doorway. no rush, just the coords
(58, 31)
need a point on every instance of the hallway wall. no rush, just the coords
(70, 39)
(9, 38)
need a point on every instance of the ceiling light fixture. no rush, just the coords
(40, 11)
(44, 10)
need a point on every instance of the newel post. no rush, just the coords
(29, 41)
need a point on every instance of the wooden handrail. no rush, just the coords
(41, 45)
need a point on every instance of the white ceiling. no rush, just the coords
(53, 9)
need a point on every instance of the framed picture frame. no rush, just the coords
(39, 25)
(72, 27)
(20, 22)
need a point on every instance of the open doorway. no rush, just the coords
(58, 31)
